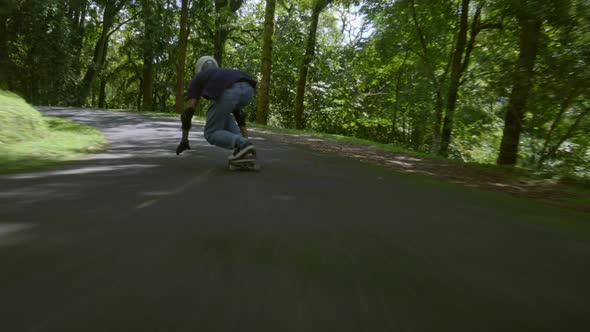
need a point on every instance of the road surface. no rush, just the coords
(139, 239)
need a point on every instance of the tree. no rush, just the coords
(459, 65)
(556, 130)
(420, 74)
(110, 12)
(265, 70)
(148, 55)
(77, 11)
(5, 12)
(529, 14)
(318, 7)
(224, 11)
(430, 61)
(181, 53)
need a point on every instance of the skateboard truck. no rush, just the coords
(246, 163)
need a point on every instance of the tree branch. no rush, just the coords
(475, 29)
(420, 33)
(238, 40)
(569, 133)
(121, 24)
(490, 25)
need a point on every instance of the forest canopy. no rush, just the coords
(504, 81)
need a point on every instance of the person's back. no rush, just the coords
(230, 90)
(211, 83)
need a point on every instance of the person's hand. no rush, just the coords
(181, 147)
(244, 131)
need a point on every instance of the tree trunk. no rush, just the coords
(148, 56)
(3, 51)
(180, 63)
(219, 40)
(265, 70)
(456, 73)
(438, 118)
(223, 10)
(437, 82)
(100, 50)
(530, 31)
(398, 87)
(139, 96)
(78, 20)
(395, 108)
(307, 58)
(102, 93)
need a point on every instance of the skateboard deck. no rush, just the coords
(246, 164)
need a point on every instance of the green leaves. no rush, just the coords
(386, 83)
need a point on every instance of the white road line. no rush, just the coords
(12, 233)
(147, 203)
(194, 181)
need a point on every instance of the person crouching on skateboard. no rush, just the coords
(230, 90)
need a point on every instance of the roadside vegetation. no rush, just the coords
(550, 185)
(498, 86)
(29, 140)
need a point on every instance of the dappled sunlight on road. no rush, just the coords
(138, 232)
(13, 233)
(417, 171)
(400, 163)
(139, 147)
(452, 172)
(105, 156)
(408, 158)
(504, 185)
(131, 137)
(80, 170)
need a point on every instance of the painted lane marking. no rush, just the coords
(12, 233)
(194, 181)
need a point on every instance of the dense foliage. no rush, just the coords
(472, 80)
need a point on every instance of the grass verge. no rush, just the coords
(29, 140)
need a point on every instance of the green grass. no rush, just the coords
(19, 121)
(29, 140)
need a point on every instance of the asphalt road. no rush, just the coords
(139, 239)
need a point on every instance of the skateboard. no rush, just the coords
(248, 163)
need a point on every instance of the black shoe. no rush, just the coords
(245, 150)
(181, 147)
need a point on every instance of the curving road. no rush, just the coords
(139, 239)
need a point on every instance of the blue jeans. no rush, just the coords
(221, 128)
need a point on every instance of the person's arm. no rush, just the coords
(244, 131)
(194, 92)
(187, 117)
(240, 117)
(194, 102)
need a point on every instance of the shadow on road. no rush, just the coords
(139, 239)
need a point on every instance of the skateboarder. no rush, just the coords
(230, 90)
